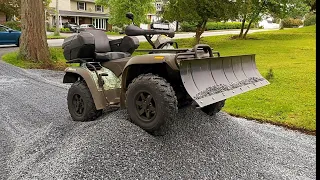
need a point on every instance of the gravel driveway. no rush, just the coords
(39, 140)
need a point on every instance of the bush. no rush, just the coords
(52, 29)
(187, 27)
(13, 25)
(226, 25)
(64, 30)
(291, 23)
(310, 19)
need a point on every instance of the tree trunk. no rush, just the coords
(242, 26)
(281, 24)
(200, 29)
(33, 40)
(245, 34)
(57, 31)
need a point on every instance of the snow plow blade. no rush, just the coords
(210, 80)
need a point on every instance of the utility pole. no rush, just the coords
(57, 32)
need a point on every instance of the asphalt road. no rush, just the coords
(39, 140)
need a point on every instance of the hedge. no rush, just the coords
(310, 19)
(187, 27)
(53, 29)
(13, 25)
(291, 23)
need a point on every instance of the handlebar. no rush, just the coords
(132, 30)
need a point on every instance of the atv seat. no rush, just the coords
(95, 45)
(103, 51)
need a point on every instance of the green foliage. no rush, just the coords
(119, 8)
(288, 8)
(65, 30)
(225, 25)
(310, 19)
(13, 25)
(270, 74)
(290, 23)
(187, 27)
(10, 7)
(197, 12)
(51, 29)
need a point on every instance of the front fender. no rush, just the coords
(74, 73)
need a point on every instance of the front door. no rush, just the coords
(4, 35)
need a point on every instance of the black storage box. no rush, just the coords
(79, 46)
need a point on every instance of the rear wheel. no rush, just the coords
(151, 102)
(213, 109)
(80, 103)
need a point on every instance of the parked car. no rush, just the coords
(71, 26)
(9, 36)
(83, 27)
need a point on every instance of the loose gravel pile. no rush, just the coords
(40, 141)
(223, 87)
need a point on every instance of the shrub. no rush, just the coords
(290, 23)
(13, 25)
(65, 30)
(187, 27)
(51, 29)
(226, 25)
(310, 19)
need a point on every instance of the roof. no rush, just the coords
(82, 14)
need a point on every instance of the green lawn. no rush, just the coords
(59, 62)
(289, 100)
(55, 37)
(114, 33)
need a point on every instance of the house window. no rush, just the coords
(82, 6)
(99, 8)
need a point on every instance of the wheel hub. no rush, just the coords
(78, 104)
(145, 106)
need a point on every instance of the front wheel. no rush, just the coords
(80, 103)
(213, 109)
(151, 102)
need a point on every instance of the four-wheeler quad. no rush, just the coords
(153, 86)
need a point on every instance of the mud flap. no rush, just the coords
(214, 79)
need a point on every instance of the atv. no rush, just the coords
(152, 87)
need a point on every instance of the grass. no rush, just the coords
(113, 33)
(286, 57)
(55, 37)
(57, 58)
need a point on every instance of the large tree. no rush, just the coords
(251, 10)
(197, 12)
(33, 40)
(288, 9)
(10, 7)
(118, 9)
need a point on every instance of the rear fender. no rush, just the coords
(74, 73)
